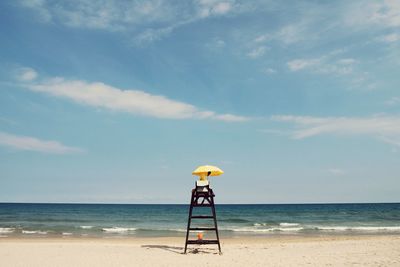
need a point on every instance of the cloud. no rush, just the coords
(389, 38)
(39, 6)
(336, 171)
(257, 52)
(384, 14)
(393, 101)
(106, 15)
(292, 33)
(262, 38)
(300, 64)
(212, 7)
(269, 71)
(146, 21)
(325, 64)
(216, 43)
(26, 74)
(382, 127)
(33, 144)
(97, 94)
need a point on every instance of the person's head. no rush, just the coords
(208, 174)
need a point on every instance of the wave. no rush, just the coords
(66, 234)
(358, 228)
(284, 224)
(6, 230)
(118, 229)
(265, 230)
(34, 232)
(316, 228)
(86, 226)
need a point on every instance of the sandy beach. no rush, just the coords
(262, 251)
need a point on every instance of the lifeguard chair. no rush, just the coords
(203, 196)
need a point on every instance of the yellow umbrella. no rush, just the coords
(203, 171)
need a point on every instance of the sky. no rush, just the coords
(119, 101)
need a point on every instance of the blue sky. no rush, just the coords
(118, 101)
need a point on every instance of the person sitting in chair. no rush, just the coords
(202, 185)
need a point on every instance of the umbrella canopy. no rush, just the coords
(204, 170)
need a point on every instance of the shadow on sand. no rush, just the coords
(179, 250)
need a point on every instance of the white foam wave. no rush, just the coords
(291, 227)
(284, 224)
(275, 229)
(66, 234)
(118, 229)
(86, 226)
(358, 228)
(6, 230)
(34, 232)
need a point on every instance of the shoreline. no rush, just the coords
(231, 239)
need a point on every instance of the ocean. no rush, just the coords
(135, 220)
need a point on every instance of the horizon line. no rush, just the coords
(103, 203)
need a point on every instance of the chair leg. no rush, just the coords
(189, 221)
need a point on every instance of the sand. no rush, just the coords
(265, 251)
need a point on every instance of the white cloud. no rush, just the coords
(336, 171)
(393, 101)
(262, 38)
(39, 6)
(151, 35)
(100, 95)
(326, 64)
(216, 43)
(229, 117)
(293, 33)
(382, 127)
(300, 64)
(26, 74)
(346, 61)
(269, 71)
(222, 8)
(108, 15)
(257, 52)
(379, 13)
(33, 144)
(212, 7)
(146, 21)
(389, 38)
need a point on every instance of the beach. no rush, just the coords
(381, 250)
(154, 235)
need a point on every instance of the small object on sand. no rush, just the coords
(199, 236)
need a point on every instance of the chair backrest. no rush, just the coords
(202, 186)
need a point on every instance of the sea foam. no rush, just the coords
(66, 234)
(358, 228)
(266, 230)
(6, 230)
(34, 232)
(118, 229)
(284, 224)
(86, 226)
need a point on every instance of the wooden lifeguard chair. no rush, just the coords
(203, 196)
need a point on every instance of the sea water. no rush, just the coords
(134, 220)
